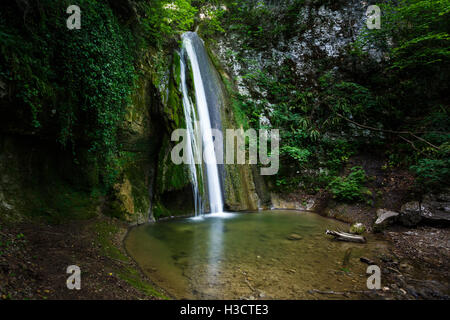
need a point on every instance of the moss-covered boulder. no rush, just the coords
(357, 228)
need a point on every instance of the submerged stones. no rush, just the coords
(294, 237)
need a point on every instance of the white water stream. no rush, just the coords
(209, 155)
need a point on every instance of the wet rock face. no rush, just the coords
(329, 33)
(325, 32)
(280, 202)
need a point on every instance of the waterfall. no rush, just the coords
(192, 142)
(191, 44)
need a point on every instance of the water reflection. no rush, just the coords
(245, 255)
(215, 249)
(214, 227)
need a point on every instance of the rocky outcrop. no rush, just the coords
(325, 31)
(411, 213)
(279, 202)
(384, 219)
(138, 136)
(434, 209)
(170, 193)
(385, 215)
(437, 208)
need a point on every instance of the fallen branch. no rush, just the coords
(394, 270)
(411, 143)
(366, 260)
(389, 131)
(249, 285)
(343, 236)
(340, 293)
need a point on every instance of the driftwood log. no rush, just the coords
(367, 260)
(344, 236)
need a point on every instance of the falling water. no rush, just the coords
(192, 142)
(212, 172)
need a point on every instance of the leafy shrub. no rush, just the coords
(164, 18)
(349, 188)
(301, 155)
(338, 152)
(434, 174)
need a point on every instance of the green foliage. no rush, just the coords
(348, 98)
(338, 152)
(303, 117)
(349, 188)
(256, 22)
(415, 35)
(211, 25)
(99, 79)
(163, 19)
(357, 228)
(301, 155)
(419, 30)
(72, 86)
(333, 115)
(434, 174)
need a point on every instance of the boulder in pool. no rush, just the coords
(357, 228)
(294, 237)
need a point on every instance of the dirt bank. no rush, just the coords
(34, 258)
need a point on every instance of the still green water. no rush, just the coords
(250, 256)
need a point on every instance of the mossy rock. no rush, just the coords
(357, 228)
